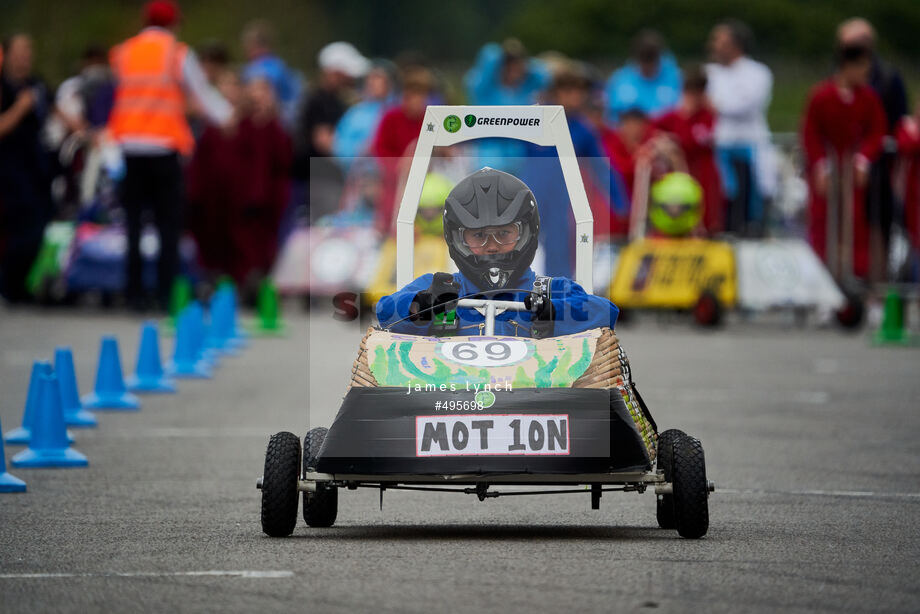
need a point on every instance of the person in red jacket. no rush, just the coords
(398, 129)
(691, 125)
(622, 144)
(843, 129)
(238, 186)
(907, 134)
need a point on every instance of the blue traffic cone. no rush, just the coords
(49, 446)
(226, 334)
(149, 376)
(237, 333)
(8, 482)
(110, 392)
(23, 434)
(202, 325)
(187, 359)
(200, 328)
(74, 414)
(221, 324)
(205, 337)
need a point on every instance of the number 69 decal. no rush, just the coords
(486, 353)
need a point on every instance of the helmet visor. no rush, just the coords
(503, 235)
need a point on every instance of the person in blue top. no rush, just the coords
(504, 75)
(355, 131)
(491, 225)
(263, 63)
(543, 173)
(651, 82)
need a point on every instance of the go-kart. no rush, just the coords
(673, 270)
(477, 414)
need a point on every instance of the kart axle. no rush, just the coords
(482, 492)
(668, 488)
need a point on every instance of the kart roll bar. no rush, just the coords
(543, 125)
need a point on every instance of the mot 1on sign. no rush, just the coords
(493, 435)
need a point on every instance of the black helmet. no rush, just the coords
(491, 198)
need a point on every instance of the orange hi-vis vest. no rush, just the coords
(149, 102)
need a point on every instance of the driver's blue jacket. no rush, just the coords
(575, 310)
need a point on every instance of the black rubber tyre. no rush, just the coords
(691, 489)
(665, 503)
(279, 485)
(851, 316)
(320, 508)
(708, 310)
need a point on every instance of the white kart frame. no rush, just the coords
(554, 131)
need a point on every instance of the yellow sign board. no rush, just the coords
(672, 273)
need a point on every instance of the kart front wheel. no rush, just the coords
(665, 503)
(279, 485)
(691, 488)
(321, 507)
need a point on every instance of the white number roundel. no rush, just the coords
(486, 353)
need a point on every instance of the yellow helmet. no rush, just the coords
(676, 204)
(429, 219)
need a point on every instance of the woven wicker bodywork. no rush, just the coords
(609, 369)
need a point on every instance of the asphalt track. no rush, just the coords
(811, 437)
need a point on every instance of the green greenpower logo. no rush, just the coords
(451, 123)
(470, 120)
(485, 398)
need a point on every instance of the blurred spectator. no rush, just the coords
(888, 84)
(650, 82)
(340, 65)
(642, 156)
(267, 154)
(842, 134)
(624, 143)
(691, 124)
(212, 186)
(84, 101)
(399, 128)
(25, 197)
(81, 109)
(238, 184)
(355, 131)
(258, 44)
(908, 138)
(596, 113)
(215, 59)
(740, 90)
(543, 174)
(504, 75)
(153, 72)
(883, 78)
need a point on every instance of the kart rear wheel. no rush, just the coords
(279, 485)
(708, 310)
(691, 489)
(663, 462)
(851, 315)
(320, 508)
